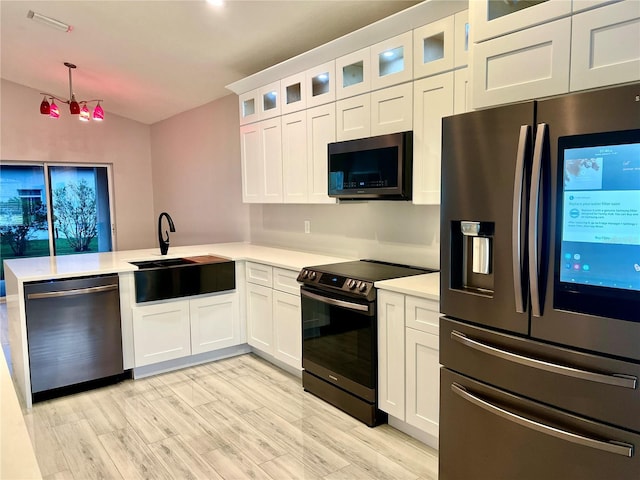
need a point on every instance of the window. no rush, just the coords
(50, 209)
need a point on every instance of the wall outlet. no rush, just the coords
(307, 226)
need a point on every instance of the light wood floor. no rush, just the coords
(232, 419)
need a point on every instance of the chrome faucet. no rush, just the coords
(164, 243)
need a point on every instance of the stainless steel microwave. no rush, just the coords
(374, 168)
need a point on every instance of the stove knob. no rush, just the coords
(351, 284)
(312, 275)
(305, 274)
(362, 287)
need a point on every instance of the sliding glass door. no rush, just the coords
(54, 209)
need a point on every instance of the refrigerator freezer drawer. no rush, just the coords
(507, 436)
(591, 385)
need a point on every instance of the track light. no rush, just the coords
(74, 105)
(51, 22)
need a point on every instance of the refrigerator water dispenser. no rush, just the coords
(473, 265)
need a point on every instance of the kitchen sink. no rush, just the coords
(169, 278)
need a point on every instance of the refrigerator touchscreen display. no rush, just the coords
(599, 222)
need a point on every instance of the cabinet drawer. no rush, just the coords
(259, 274)
(588, 384)
(423, 314)
(285, 281)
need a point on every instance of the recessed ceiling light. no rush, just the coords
(217, 3)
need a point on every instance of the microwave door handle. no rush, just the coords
(516, 220)
(534, 206)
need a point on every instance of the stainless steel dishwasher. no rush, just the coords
(73, 331)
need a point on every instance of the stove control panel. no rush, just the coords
(352, 286)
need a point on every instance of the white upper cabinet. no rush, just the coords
(321, 85)
(433, 48)
(269, 98)
(294, 157)
(392, 61)
(353, 117)
(493, 18)
(261, 160)
(529, 64)
(605, 46)
(432, 100)
(461, 42)
(392, 109)
(582, 5)
(321, 130)
(293, 93)
(249, 111)
(353, 74)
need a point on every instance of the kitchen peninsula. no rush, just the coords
(21, 271)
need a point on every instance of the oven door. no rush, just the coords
(339, 341)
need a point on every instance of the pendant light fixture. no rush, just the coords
(76, 107)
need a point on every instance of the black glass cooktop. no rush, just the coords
(370, 270)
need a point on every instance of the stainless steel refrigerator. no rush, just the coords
(540, 290)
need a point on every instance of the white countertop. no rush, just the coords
(424, 286)
(46, 268)
(17, 459)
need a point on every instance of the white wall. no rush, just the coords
(391, 231)
(196, 174)
(25, 135)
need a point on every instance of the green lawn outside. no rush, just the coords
(40, 248)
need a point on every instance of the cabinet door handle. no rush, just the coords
(611, 446)
(617, 380)
(68, 293)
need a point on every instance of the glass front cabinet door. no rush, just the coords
(269, 100)
(493, 18)
(353, 72)
(321, 85)
(433, 48)
(293, 94)
(391, 61)
(249, 112)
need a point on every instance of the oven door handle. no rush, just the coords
(335, 302)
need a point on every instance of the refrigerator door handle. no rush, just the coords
(611, 446)
(616, 380)
(534, 205)
(516, 220)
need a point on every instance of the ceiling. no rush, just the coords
(150, 60)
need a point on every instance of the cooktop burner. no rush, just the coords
(357, 277)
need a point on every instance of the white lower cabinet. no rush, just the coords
(178, 328)
(161, 332)
(274, 318)
(391, 381)
(215, 322)
(287, 344)
(260, 317)
(423, 380)
(408, 360)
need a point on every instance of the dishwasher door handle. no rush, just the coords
(68, 293)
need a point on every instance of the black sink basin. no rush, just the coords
(182, 277)
(167, 262)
